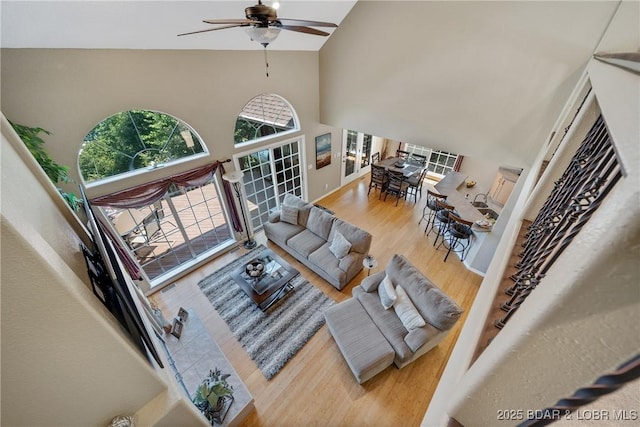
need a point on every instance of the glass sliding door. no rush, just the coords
(356, 158)
(187, 225)
(269, 173)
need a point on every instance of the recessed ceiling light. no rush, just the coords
(275, 4)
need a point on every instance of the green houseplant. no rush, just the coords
(56, 173)
(212, 395)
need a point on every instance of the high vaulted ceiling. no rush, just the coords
(154, 24)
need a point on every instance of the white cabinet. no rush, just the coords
(502, 186)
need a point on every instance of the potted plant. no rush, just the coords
(214, 396)
(57, 173)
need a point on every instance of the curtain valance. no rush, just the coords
(148, 193)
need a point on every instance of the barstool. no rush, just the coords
(457, 236)
(430, 207)
(441, 219)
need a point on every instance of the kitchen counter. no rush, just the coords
(449, 186)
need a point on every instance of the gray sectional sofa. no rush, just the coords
(371, 337)
(331, 247)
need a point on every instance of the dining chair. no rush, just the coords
(378, 179)
(415, 185)
(402, 154)
(150, 227)
(457, 237)
(418, 158)
(375, 157)
(396, 186)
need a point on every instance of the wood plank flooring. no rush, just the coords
(316, 387)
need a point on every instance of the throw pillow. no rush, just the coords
(319, 222)
(289, 214)
(406, 311)
(340, 246)
(387, 293)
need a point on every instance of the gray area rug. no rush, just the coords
(273, 337)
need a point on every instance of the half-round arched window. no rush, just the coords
(265, 115)
(135, 139)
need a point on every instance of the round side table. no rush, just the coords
(369, 263)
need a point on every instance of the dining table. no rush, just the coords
(407, 167)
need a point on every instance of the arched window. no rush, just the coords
(188, 224)
(266, 114)
(135, 139)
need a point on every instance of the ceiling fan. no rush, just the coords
(263, 25)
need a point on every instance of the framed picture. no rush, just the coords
(176, 330)
(323, 150)
(183, 314)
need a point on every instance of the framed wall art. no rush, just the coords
(323, 150)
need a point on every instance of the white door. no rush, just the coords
(356, 155)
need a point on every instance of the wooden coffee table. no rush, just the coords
(272, 285)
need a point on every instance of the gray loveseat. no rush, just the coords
(371, 337)
(310, 234)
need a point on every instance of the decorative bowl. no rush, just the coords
(470, 183)
(255, 269)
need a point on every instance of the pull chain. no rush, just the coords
(266, 62)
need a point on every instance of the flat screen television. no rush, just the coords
(110, 285)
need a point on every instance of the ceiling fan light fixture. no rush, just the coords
(263, 35)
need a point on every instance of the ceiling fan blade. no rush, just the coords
(302, 29)
(228, 21)
(213, 29)
(302, 22)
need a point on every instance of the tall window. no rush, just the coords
(184, 225)
(266, 114)
(188, 224)
(439, 162)
(135, 139)
(268, 174)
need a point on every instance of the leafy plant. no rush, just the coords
(210, 394)
(56, 173)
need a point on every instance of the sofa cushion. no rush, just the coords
(305, 243)
(432, 304)
(387, 293)
(440, 310)
(406, 311)
(289, 214)
(280, 232)
(417, 337)
(360, 240)
(371, 283)
(303, 207)
(320, 222)
(387, 322)
(322, 257)
(340, 246)
(365, 349)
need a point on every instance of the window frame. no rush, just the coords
(263, 139)
(141, 171)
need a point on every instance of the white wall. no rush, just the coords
(482, 79)
(69, 91)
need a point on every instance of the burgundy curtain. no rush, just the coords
(129, 264)
(146, 194)
(456, 166)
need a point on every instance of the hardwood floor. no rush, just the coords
(316, 387)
